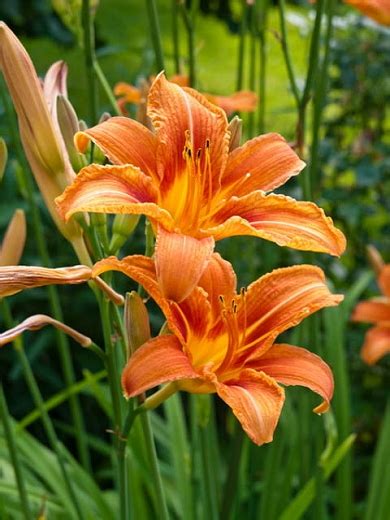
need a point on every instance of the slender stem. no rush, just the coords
(105, 85)
(155, 34)
(153, 459)
(175, 36)
(189, 25)
(13, 451)
(286, 53)
(89, 45)
(54, 301)
(252, 63)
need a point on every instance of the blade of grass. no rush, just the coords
(9, 435)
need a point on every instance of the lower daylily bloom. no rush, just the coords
(192, 187)
(223, 342)
(241, 101)
(378, 10)
(377, 311)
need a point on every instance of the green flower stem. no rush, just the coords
(62, 341)
(252, 63)
(241, 46)
(155, 34)
(262, 65)
(160, 396)
(286, 53)
(175, 36)
(162, 509)
(188, 20)
(13, 451)
(92, 66)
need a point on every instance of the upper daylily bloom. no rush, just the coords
(378, 10)
(193, 190)
(35, 105)
(223, 342)
(242, 101)
(377, 311)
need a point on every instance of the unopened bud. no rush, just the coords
(14, 239)
(375, 259)
(104, 117)
(68, 123)
(3, 157)
(123, 226)
(235, 129)
(137, 324)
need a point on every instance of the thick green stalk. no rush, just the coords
(319, 98)
(161, 506)
(230, 488)
(113, 376)
(155, 34)
(13, 451)
(62, 341)
(252, 63)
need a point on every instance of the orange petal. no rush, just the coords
(130, 93)
(384, 280)
(372, 311)
(256, 400)
(378, 10)
(14, 279)
(14, 239)
(158, 361)
(291, 365)
(191, 319)
(283, 298)
(180, 79)
(218, 279)
(112, 189)
(280, 219)
(180, 262)
(38, 321)
(123, 141)
(268, 162)
(175, 112)
(376, 345)
(241, 101)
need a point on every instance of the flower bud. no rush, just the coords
(137, 324)
(235, 129)
(69, 125)
(14, 239)
(375, 259)
(123, 226)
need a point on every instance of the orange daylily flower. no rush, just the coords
(241, 101)
(378, 10)
(193, 190)
(377, 311)
(223, 342)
